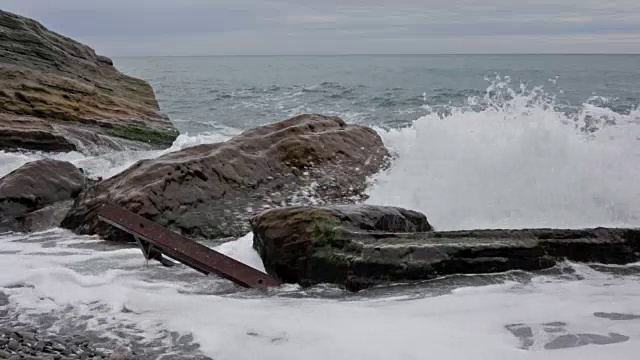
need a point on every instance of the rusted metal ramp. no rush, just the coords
(155, 240)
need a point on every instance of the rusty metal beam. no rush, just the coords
(152, 237)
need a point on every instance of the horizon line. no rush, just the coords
(383, 54)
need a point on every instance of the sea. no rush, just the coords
(478, 141)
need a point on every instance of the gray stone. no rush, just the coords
(597, 339)
(34, 186)
(121, 353)
(13, 345)
(564, 342)
(210, 191)
(575, 340)
(553, 330)
(4, 354)
(523, 333)
(616, 316)
(555, 324)
(4, 299)
(327, 244)
(48, 217)
(29, 336)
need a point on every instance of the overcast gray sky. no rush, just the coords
(216, 27)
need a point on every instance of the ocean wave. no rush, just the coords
(514, 162)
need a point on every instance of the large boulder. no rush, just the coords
(58, 95)
(37, 195)
(210, 191)
(360, 246)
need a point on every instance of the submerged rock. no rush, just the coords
(210, 191)
(36, 195)
(358, 247)
(58, 95)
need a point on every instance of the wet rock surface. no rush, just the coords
(557, 335)
(56, 94)
(37, 195)
(209, 191)
(311, 245)
(25, 344)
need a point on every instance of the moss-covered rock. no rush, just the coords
(142, 134)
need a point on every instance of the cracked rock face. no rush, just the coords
(56, 94)
(210, 191)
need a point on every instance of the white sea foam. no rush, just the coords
(519, 163)
(462, 324)
(110, 164)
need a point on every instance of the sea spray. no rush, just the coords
(516, 162)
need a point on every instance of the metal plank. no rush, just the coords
(186, 251)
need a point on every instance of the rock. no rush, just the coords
(36, 196)
(210, 191)
(13, 345)
(58, 95)
(4, 354)
(28, 336)
(46, 218)
(311, 245)
(121, 353)
(40, 345)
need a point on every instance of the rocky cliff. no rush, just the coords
(57, 95)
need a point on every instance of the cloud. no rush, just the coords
(188, 27)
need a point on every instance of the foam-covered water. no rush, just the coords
(505, 156)
(109, 164)
(58, 279)
(517, 163)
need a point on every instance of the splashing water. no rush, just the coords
(517, 162)
(110, 164)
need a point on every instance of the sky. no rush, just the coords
(271, 27)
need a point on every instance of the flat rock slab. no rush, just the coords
(311, 245)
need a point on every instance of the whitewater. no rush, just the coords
(505, 159)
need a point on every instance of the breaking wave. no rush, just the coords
(512, 159)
